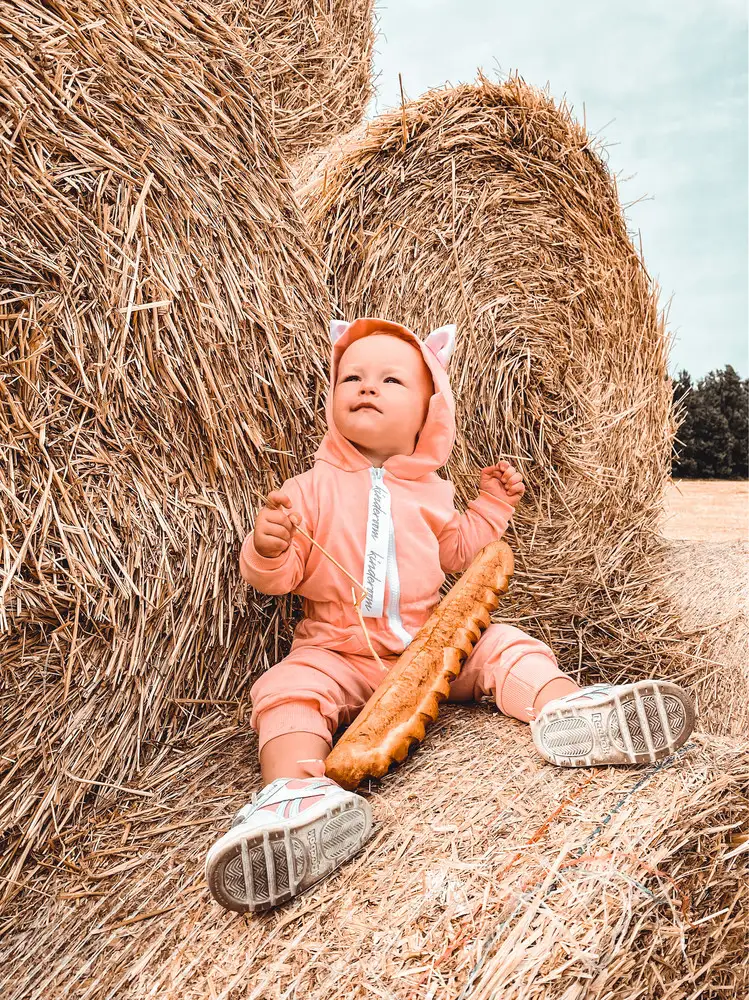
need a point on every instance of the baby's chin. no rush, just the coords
(381, 445)
(373, 440)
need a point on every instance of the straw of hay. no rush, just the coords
(158, 285)
(313, 61)
(490, 874)
(488, 206)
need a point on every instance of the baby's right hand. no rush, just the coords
(274, 527)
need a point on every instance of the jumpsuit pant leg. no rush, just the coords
(509, 665)
(313, 690)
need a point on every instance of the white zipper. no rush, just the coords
(393, 615)
(376, 549)
(380, 555)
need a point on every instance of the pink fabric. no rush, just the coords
(316, 690)
(431, 537)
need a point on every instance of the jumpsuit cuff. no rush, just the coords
(250, 558)
(524, 682)
(291, 717)
(494, 510)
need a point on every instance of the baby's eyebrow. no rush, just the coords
(390, 370)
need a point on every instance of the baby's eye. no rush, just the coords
(393, 378)
(349, 377)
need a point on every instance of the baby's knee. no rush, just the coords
(510, 643)
(271, 680)
(293, 698)
(290, 682)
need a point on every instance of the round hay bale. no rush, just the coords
(486, 205)
(314, 63)
(708, 583)
(158, 286)
(490, 874)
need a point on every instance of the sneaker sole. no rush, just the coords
(254, 871)
(642, 725)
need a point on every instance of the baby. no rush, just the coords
(374, 502)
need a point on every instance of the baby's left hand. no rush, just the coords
(503, 481)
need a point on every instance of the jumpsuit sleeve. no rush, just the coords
(465, 535)
(280, 574)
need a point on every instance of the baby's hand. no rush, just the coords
(503, 481)
(274, 527)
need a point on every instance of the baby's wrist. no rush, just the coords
(265, 554)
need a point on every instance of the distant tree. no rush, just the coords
(734, 396)
(713, 437)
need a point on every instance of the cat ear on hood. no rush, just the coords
(441, 343)
(337, 329)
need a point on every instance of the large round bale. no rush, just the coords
(708, 583)
(314, 62)
(490, 874)
(162, 325)
(486, 205)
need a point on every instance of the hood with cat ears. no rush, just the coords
(437, 436)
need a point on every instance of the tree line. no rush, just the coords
(712, 441)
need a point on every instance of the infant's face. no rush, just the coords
(389, 375)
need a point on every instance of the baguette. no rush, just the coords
(408, 698)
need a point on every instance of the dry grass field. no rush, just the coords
(707, 510)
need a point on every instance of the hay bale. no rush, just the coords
(158, 285)
(314, 64)
(490, 874)
(487, 205)
(708, 582)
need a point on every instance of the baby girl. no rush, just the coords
(374, 502)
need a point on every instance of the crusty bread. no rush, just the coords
(408, 698)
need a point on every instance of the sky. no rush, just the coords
(664, 85)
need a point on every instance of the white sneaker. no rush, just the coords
(614, 724)
(293, 833)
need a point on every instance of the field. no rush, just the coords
(707, 510)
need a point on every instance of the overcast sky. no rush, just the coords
(664, 84)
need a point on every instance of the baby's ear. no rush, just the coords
(441, 343)
(337, 329)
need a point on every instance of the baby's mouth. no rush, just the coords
(364, 406)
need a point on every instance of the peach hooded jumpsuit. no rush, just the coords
(397, 531)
